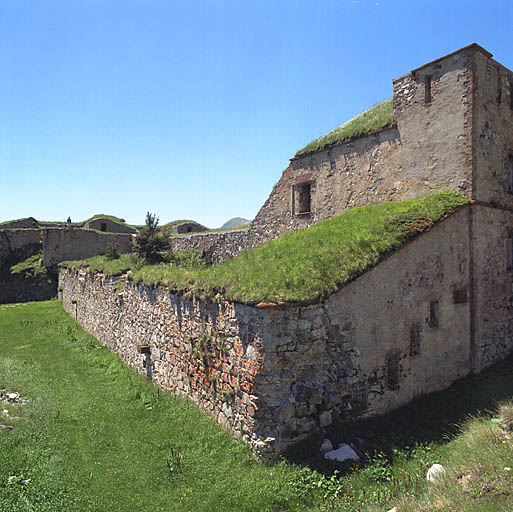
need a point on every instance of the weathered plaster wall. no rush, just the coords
(492, 232)
(214, 247)
(19, 238)
(493, 131)
(282, 373)
(110, 226)
(76, 244)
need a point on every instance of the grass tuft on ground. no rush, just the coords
(302, 267)
(378, 116)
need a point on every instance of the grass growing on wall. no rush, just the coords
(376, 117)
(94, 436)
(305, 266)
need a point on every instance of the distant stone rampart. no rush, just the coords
(213, 247)
(77, 244)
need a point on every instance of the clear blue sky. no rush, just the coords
(192, 109)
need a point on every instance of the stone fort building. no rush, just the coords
(431, 312)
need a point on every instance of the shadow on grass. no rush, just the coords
(433, 418)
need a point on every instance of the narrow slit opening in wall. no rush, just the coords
(509, 263)
(433, 314)
(499, 91)
(427, 89)
(392, 372)
(414, 340)
(510, 173)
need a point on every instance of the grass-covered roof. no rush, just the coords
(305, 266)
(376, 117)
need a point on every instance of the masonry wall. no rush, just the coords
(19, 238)
(274, 375)
(210, 353)
(77, 244)
(493, 132)
(493, 250)
(345, 176)
(214, 247)
(18, 242)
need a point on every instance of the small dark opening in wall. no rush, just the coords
(103, 226)
(189, 229)
(302, 198)
(427, 89)
(414, 340)
(510, 173)
(433, 314)
(509, 263)
(459, 295)
(392, 370)
(499, 91)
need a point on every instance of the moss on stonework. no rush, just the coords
(375, 118)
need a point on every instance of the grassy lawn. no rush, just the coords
(94, 436)
(305, 266)
(376, 117)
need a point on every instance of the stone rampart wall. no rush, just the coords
(77, 244)
(211, 353)
(274, 375)
(19, 238)
(492, 232)
(214, 247)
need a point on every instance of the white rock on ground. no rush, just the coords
(435, 472)
(342, 453)
(326, 446)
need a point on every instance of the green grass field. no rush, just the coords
(94, 436)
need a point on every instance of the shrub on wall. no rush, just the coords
(151, 241)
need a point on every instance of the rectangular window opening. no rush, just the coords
(414, 340)
(302, 198)
(434, 314)
(427, 90)
(459, 295)
(103, 226)
(392, 371)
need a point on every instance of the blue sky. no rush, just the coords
(192, 109)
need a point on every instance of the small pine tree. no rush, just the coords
(112, 252)
(151, 241)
